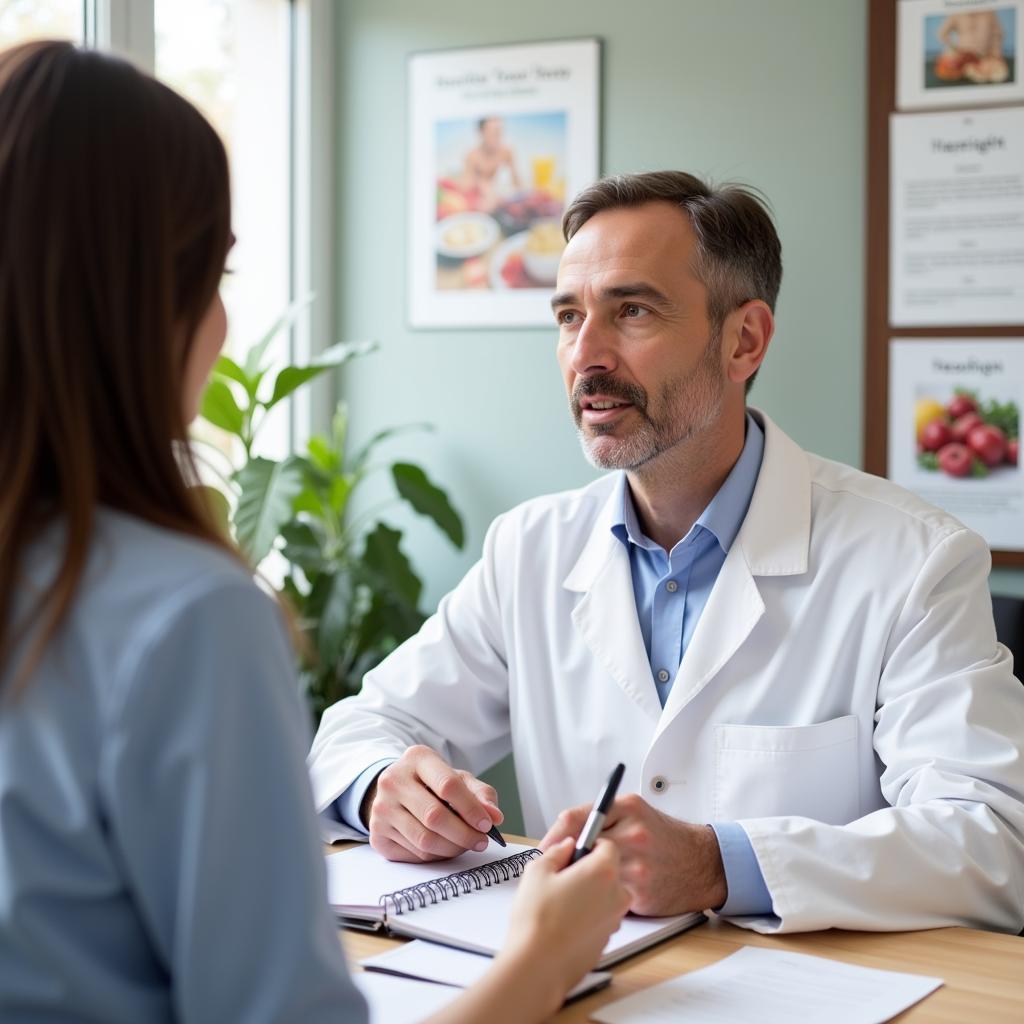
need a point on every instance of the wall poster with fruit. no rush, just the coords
(954, 430)
(958, 53)
(499, 138)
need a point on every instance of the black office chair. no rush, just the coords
(1009, 616)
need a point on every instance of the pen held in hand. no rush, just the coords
(492, 832)
(595, 820)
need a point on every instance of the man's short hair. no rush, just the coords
(738, 256)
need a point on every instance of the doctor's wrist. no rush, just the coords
(367, 803)
(716, 888)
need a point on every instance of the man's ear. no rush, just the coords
(747, 332)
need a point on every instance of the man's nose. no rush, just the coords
(594, 351)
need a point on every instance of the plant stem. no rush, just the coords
(368, 513)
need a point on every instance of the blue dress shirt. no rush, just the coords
(670, 590)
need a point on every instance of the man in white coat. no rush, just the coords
(795, 661)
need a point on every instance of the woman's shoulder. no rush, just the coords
(138, 564)
(147, 587)
(141, 576)
(153, 608)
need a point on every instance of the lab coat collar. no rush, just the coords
(772, 541)
(775, 534)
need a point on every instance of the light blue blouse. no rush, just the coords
(138, 880)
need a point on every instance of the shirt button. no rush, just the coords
(671, 586)
(659, 783)
(663, 676)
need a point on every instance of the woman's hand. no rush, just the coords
(565, 913)
(561, 919)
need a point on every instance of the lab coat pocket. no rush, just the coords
(805, 770)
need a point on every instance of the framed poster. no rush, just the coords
(943, 267)
(958, 53)
(500, 138)
(957, 218)
(954, 430)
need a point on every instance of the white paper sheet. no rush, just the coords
(431, 962)
(957, 218)
(773, 986)
(926, 374)
(401, 1000)
(360, 876)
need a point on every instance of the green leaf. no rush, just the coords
(388, 623)
(219, 506)
(1004, 415)
(220, 408)
(382, 435)
(292, 377)
(254, 356)
(317, 598)
(227, 367)
(341, 488)
(303, 546)
(322, 454)
(388, 567)
(428, 500)
(307, 500)
(290, 589)
(334, 620)
(265, 503)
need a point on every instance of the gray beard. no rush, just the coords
(691, 405)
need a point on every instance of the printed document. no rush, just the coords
(773, 986)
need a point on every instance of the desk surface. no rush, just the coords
(983, 971)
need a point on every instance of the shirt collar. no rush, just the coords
(724, 514)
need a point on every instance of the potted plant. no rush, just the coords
(353, 589)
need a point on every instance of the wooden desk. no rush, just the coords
(983, 971)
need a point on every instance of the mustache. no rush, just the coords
(606, 384)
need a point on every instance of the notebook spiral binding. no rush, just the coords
(458, 883)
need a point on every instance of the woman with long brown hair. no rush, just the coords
(159, 857)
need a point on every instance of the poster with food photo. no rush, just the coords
(956, 53)
(500, 139)
(954, 430)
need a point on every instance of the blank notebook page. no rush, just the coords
(478, 920)
(358, 878)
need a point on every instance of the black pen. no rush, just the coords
(595, 821)
(492, 834)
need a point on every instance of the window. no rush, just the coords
(232, 58)
(21, 20)
(260, 72)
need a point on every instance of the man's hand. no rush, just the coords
(405, 809)
(668, 866)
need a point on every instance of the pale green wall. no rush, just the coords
(771, 93)
(713, 87)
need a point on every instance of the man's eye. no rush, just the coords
(633, 310)
(566, 318)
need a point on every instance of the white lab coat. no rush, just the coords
(843, 696)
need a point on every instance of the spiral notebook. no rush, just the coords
(465, 902)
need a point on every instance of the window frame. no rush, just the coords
(124, 27)
(127, 27)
